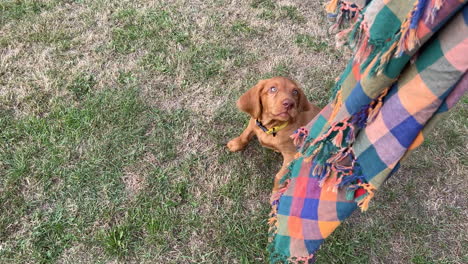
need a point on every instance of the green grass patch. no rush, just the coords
(18, 9)
(280, 69)
(308, 41)
(267, 15)
(292, 13)
(169, 45)
(76, 154)
(154, 29)
(204, 61)
(273, 11)
(267, 4)
(240, 27)
(82, 85)
(62, 38)
(207, 61)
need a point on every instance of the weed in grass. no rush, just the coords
(267, 15)
(162, 137)
(37, 101)
(240, 27)
(292, 13)
(133, 28)
(308, 41)
(321, 96)
(14, 10)
(47, 36)
(117, 241)
(454, 139)
(51, 236)
(82, 85)
(160, 222)
(268, 9)
(281, 69)
(207, 60)
(152, 29)
(126, 78)
(422, 260)
(267, 4)
(124, 38)
(160, 62)
(271, 12)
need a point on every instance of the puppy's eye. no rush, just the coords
(273, 89)
(295, 92)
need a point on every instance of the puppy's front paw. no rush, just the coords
(235, 145)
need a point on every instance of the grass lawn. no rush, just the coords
(113, 121)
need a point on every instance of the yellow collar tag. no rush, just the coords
(272, 130)
(275, 129)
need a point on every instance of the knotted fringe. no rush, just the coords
(388, 51)
(364, 48)
(299, 136)
(348, 13)
(328, 152)
(354, 178)
(274, 206)
(333, 161)
(360, 118)
(273, 220)
(336, 105)
(364, 200)
(367, 49)
(368, 112)
(278, 258)
(350, 7)
(434, 7)
(340, 38)
(408, 39)
(352, 35)
(376, 105)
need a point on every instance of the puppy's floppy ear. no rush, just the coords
(250, 101)
(304, 104)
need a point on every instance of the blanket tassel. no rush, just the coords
(363, 202)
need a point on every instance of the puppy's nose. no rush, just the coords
(288, 103)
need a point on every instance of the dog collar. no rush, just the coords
(271, 131)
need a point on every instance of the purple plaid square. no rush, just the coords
(296, 206)
(313, 189)
(311, 229)
(386, 154)
(327, 211)
(393, 112)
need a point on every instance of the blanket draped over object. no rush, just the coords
(409, 68)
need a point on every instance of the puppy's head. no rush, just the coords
(278, 98)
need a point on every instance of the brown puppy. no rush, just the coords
(277, 103)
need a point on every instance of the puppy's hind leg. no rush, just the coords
(241, 141)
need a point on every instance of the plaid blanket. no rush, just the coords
(409, 67)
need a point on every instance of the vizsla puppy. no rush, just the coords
(277, 107)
